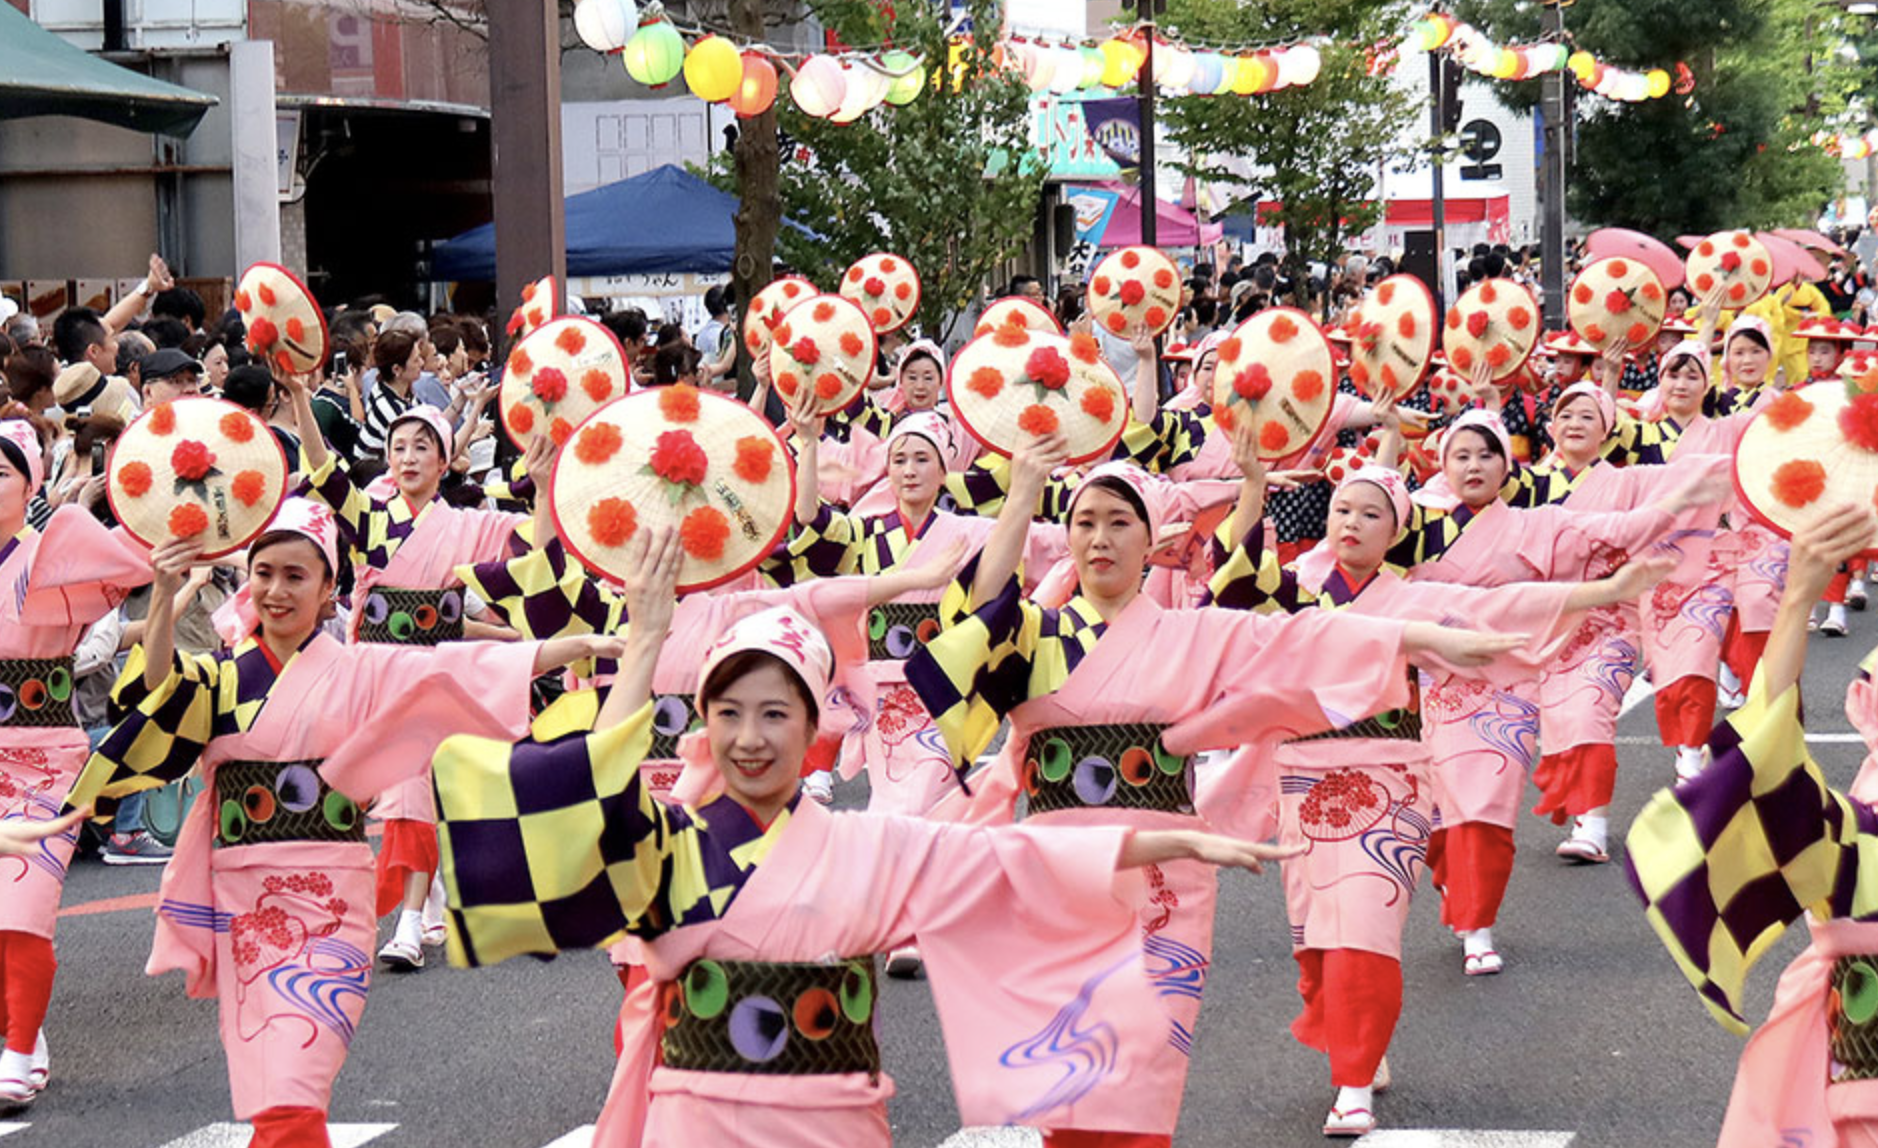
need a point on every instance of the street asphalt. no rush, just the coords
(1590, 1035)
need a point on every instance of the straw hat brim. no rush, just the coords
(1511, 332)
(590, 368)
(1025, 312)
(1160, 282)
(1277, 369)
(995, 397)
(1588, 303)
(619, 475)
(767, 309)
(899, 300)
(843, 342)
(1793, 463)
(1745, 284)
(292, 333)
(1394, 338)
(227, 505)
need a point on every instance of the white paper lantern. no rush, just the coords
(866, 90)
(1066, 70)
(1299, 65)
(819, 87)
(605, 25)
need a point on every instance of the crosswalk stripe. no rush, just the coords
(1462, 1138)
(993, 1138)
(581, 1137)
(238, 1135)
(7, 1129)
(1812, 738)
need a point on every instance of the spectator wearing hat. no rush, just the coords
(81, 389)
(169, 374)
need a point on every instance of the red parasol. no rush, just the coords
(1621, 242)
(1790, 259)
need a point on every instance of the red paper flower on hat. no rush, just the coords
(1083, 347)
(521, 419)
(572, 340)
(1101, 284)
(1799, 482)
(824, 311)
(1705, 249)
(703, 533)
(1229, 349)
(855, 273)
(549, 385)
(598, 384)
(262, 333)
(1131, 259)
(882, 317)
(519, 362)
(1253, 383)
(296, 330)
(266, 293)
(1858, 422)
(1133, 292)
(1098, 404)
(1651, 292)
(1047, 368)
(248, 487)
(1617, 302)
(1758, 267)
(1788, 411)
(788, 384)
(191, 460)
(187, 520)
(1038, 420)
(1155, 316)
(852, 344)
(243, 302)
(1730, 261)
(134, 479)
(1405, 324)
(875, 288)
(903, 291)
(1704, 283)
(612, 521)
(1116, 322)
(755, 454)
(986, 381)
(1359, 374)
(889, 264)
(1463, 359)
(1594, 333)
(1519, 318)
(1638, 333)
(1738, 292)
(528, 292)
(678, 459)
(597, 443)
(1012, 336)
(782, 334)
(828, 385)
(1488, 293)
(1498, 354)
(1282, 330)
(1384, 293)
(1389, 378)
(1223, 416)
(1740, 240)
(1273, 436)
(516, 320)
(1163, 278)
(1307, 386)
(806, 352)
(679, 403)
(237, 427)
(1582, 293)
(1477, 324)
(1618, 268)
(559, 431)
(753, 340)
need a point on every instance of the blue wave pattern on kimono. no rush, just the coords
(1617, 663)
(191, 915)
(43, 856)
(340, 971)
(1514, 734)
(1177, 970)
(1772, 564)
(1086, 1055)
(1400, 849)
(1709, 608)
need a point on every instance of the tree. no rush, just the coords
(1733, 152)
(1318, 148)
(948, 181)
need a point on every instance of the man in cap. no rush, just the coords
(170, 374)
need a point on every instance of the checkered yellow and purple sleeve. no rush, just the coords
(515, 486)
(546, 594)
(827, 547)
(1724, 863)
(1541, 485)
(1251, 578)
(352, 508)
(1637, 443)
(163, 731)
(981, 666)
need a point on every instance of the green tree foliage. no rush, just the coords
(1733, 152)
(913, 180)
(1318, 148)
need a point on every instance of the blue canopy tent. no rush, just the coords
(664, 221)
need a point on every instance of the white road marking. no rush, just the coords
(238, 1135)
(993, 1138)
(7, 1129)
(1815, 738)
(581, 1137)
(1462, 1138)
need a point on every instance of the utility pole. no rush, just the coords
(1438, 124)
(1146, 11)
(1555, 108)
(525, 132)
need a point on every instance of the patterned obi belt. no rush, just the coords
(772, 1018)
(36, 692)
(1852, 1018)
(673, 715)
(1105, 767)
(264, 802)
(1404, 724)
(896, 629)
(394, 616)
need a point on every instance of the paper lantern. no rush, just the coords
(1298, 65)
(1178, 72)
(1581, 64)
(1266, 64)
(866, 89)
(1659, 83)
(605, 25)
(1434, 31)
(1119, 63)
(1248, 75)
(818, 87)
(1039, 67)
(1093, 63)
(1066, 76)
(655, 54)
(756, 91)
(713, 69)
(1208, 68)
(906, 75)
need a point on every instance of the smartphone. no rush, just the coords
(340, 363)
(97, 458)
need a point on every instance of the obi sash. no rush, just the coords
(1105, 766)
(398, 616)
(1852, 1018)
(36, 692)
(1403, 724)
(266, 802)
(673, 715)
(896, 629)
(772, 1018)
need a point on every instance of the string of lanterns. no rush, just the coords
(1482, 56)
(1847, 145)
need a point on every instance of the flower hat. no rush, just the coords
(196, 468)
(1616, 301)
(1016, 381)
(767, 309)
(885, 287)
(825, 342)
(1392, 337)
(1734, 262)
(1451, 393)
(1134, 285)
(560, 373)
(1809, 449)
(1858, 364)
(1495, 321)
(538, 306)
(1278, 370)
(286, 329)
(701, 462)
(1017, 309)
(1830, 329)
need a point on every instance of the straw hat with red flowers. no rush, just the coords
(885, 287)
(702, 463)
(1496, 322)
(824, 342)
(538, 306)
(286, 329)
(196, 468)
(1132, 286)
(1394, 329)
(560, 373)
(1809, 449)
(767, 309)
(1017, 309)
(1734, 263)
(1616, 301)
(1015, 382)
(1275, 369)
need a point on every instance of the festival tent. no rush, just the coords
(1177, 226)
(42, 75)
(1469, 216)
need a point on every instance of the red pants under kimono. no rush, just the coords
(1685, 711)
(37, 767)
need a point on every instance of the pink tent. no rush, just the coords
(1177, 226)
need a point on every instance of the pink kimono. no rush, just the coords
(1214, 458)
(52, 587)
(280, 930)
